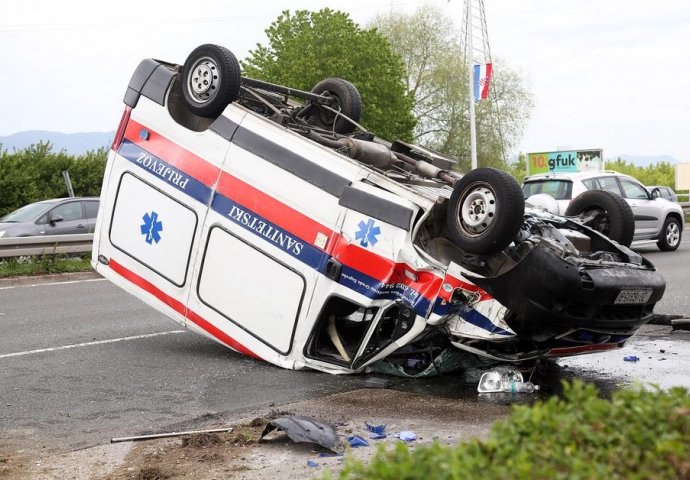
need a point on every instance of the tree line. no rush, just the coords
(35, 174)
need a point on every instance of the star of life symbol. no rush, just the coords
(367, 233)
(151, 227)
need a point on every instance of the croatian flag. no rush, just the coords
(482, 76)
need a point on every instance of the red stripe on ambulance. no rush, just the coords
(179, 308)
(291, 220)
(170, 152)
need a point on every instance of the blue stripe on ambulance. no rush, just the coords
(165, 172)
(294, 246)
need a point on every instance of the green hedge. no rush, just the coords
(35, 173)
(637, 434)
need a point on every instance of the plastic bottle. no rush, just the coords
(519, 387)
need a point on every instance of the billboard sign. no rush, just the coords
(565, 161)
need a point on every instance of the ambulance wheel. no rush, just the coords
(485, 211)
(210, 80)
(606, 213)
(347, 100)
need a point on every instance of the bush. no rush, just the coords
(637, 434)
(35, 174)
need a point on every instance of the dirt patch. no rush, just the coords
(239, 454)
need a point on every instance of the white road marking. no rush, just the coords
(88, 344)
(54, 283)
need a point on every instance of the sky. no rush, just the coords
(609, 74)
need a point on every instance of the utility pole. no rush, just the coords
(470, 89)
(477, 51)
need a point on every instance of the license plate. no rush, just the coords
(632, 296)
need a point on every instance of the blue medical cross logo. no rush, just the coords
(367, 233)
(151, 228)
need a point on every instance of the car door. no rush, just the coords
(648, 214)
(90, 214)
(65, 219)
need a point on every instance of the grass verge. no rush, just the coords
(43, 264)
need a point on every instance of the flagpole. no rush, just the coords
(470, 67)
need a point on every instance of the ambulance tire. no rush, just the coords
(210, 80)
(347, 100)
(485, 212)
(605, 212)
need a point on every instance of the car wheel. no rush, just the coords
(606, 213)
(485, 211)
(347, 101)
(210, 80)
(670, 235)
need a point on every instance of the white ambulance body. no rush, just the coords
(279, 247)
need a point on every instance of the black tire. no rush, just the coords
(671, 234)
(347, 99)
(605, 212)
(485, 211)
(210, 80)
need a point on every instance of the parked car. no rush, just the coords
(58, 216)
(287, 231)
(656, 218)
(663, 192)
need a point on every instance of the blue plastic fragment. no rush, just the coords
(378, 429)
(312, 463)
(406, 436)
(356, 441)
(377, 436)
(631, 358)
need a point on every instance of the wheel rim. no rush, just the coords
(672, 234)
(203, 80)
(478, 210)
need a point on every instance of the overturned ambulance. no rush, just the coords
(286, 231)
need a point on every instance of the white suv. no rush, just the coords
(655, 218)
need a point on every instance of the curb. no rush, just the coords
(51, 278)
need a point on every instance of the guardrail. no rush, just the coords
(80, 243)
(45, 245)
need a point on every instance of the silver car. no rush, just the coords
(58, 216)
(655, 218)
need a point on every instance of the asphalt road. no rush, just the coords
(81, 363)
(70, 398)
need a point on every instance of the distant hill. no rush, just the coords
(72, 143)
(646, 160)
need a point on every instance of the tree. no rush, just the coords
(437, 78)
(305, 47)
(35, 173)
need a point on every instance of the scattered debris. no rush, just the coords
(378, 429)
(312, 463)
(631, 358)
(406, 436)
(171, 434)
(498, 380)
(305, 430)
(330, 454)
(356, 441)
